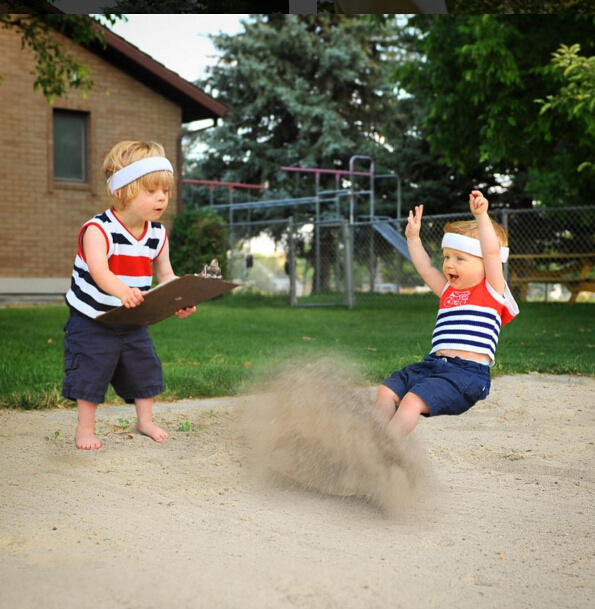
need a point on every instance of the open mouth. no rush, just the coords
(452, 277)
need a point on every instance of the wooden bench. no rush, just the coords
(570, 270)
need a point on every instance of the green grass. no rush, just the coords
(231, 343)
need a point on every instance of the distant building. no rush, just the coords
(51, 154)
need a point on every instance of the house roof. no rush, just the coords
(195, 103)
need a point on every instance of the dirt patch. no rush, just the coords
(313, 426)
(507, 519)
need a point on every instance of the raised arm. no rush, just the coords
(490, 247)
(433, 278)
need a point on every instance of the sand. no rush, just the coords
(494, 508)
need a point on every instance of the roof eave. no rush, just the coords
(195, 103)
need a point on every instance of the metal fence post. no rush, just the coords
(372, 265)
(317, 236)
(347, 229)
(231, 231)
(292, 265)
(504, 222)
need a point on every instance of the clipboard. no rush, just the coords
(164, 300)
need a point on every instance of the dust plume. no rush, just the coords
(313, 427)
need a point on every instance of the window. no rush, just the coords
(70, 146)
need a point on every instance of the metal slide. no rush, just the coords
(392, 236)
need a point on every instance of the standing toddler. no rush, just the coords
(118, 250)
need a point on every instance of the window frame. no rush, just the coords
(87, 184)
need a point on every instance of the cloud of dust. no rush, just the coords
(312, 425)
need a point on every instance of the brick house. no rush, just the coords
(51, 154)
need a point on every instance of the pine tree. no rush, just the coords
(301, 90)
(309, 91)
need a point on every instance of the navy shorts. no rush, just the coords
(448, 385)
(97, 354)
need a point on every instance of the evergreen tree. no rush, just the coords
(301, 90)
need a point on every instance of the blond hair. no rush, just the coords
(468, 228)
(126, 152)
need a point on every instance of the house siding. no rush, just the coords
(39, 219)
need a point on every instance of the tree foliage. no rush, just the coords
(56, 69)
(301, 90)
(197, 237)
(481, 7)
(477, 80)
(576, 97)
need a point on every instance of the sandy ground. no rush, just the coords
(506, 517)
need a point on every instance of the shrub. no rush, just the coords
(198, 236)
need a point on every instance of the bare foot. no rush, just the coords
(151, 430)
(86, 439)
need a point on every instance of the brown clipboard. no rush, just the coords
(164, 300)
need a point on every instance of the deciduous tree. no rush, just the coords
(56, 69)
(576, 97)
(477, 80)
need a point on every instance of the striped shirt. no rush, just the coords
(129, 258)
(470, 320)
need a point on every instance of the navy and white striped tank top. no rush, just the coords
(129, 258)
(470, 320)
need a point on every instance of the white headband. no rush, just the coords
(469, 245)
(138, 169)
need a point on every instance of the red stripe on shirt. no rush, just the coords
(163, 245)
(81, 253)
(132, 266)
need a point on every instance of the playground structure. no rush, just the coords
(337, 250)
(328, 220)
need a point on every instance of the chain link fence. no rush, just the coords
(332, 262)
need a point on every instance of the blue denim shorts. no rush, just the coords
(448, 385)
(97, 354)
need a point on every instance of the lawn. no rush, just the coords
(233, 342)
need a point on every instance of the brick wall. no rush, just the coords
(39, 219)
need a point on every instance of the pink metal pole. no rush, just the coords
(337, 172)
(230, 185)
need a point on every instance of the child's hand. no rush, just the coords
(131, 298)
(414, 222)
(183, 313)
(478, 203)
